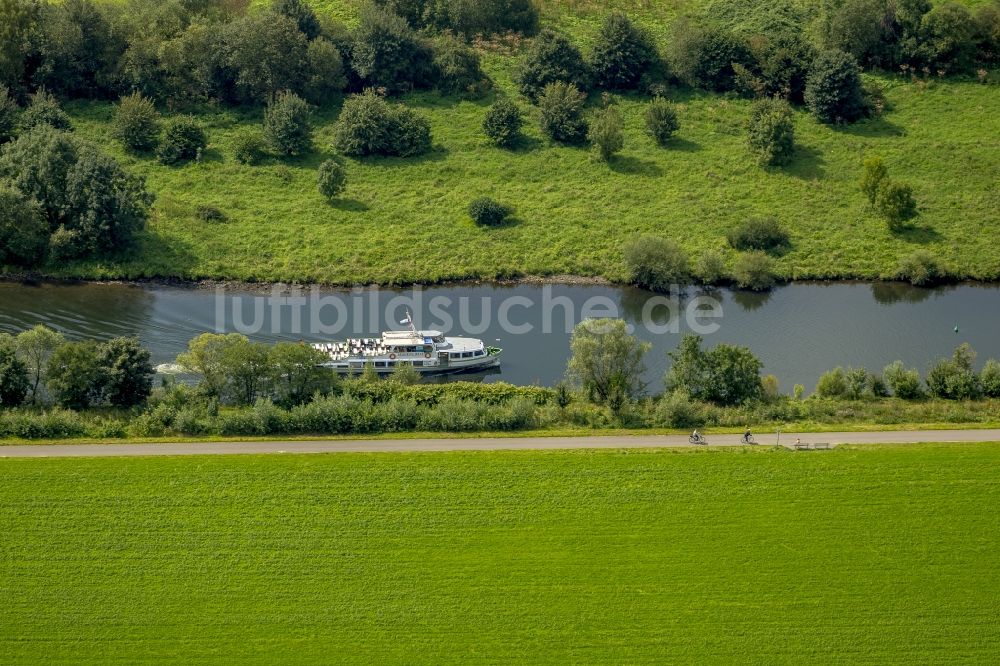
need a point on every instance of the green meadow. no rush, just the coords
(868, 554)
(405, 220)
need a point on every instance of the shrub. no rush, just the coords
(550, 58)
(656, 263)
(209, 214)
(14, 380)
(43, 109)
(136, 123)
(327, 76)
(954, 378)
(24, 233)
(711, 268)
(832, 384)
(266, 54)
(895, 204)
(248, 145)
(833, 89)
(755, 271)
(487, 212)
(856, 383)
(503, 122)
(677, 410)
(368, 125)
(703, 56)
(331, 179)
(873, 175)
(622, 53)
(724, 375)
(561, 106)
(762, 233)
(126, 372)
(74, 377)
(771, 132)
(606, 133)
(8, 114)
(303, 15)
(661, 120)
(920, 268)
(286, 124)
(903, 382)
(457, 69)
(948, 38)
(183, 140)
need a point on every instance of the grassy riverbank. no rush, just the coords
(872, 554)
(404, 220)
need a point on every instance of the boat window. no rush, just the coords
(418, 364)
(466, 354)
(380, 364)
(455, 354)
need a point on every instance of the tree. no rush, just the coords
(561, 106)
(13, 374)
(35, 347)
(75, 377)
(487, 212)
(457, 69)
(605, 361)
(948, 38)
(832, 384)
(205, 357)
(127, 374)
(771, 132)
(387, 53)
(369, 125)
(8, 114)
(661, 120)
(656, 263)
(904, 383)
(327, 76)
(724, 375)
(875, 32)
(286, 124)
(18, 25)
(24, 233)
(76, 49)
(955, 378)
(37, 164)
(183, 140)
(299, 12)
(298, 374)
(267, 54)
(833, 89)
(404, 374)
(873, 176)
(622, 53)
(248, 369)
(550, 58)
(989, 379)
(136, 123)
(755, 271)
(44, 109)
(607, 133)
(704, 56)
(895, 204)
(503, 122)
(331, 179)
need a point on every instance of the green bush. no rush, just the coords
(248, 145)
(503, 122)
(621, 54)
(331, 179)
(369, 125)
(903, 382)
(136, 124)
(287, 128)
(300, 12)
(954, 378)
(833, 90)
(723, 375)
(832, 384)
(704, 56)
(457, 69)
(677, 410)
(8, 114)
(44, 109)
(551, 58)
(14, 378)
(989, 379)
(327, 73)
(561, 106)
(661, 120)
(755, 271)
(763, 233)
(656, 263)
(895, 204)
(486, 212)
(874, 174)
(183, 140)
(206, 213)
(710, 268)
(387, 53)
(24, 232)
(264, 53)
(921, 269)
(607, 133)
(771, 132)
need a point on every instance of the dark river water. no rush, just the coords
(798, 330)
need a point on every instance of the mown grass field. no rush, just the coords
(405, 220)
(868, 555)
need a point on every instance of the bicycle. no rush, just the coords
(697, 439)
(747, 439)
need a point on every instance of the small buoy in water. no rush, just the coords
(956, 328)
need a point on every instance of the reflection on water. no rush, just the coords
(797, 330)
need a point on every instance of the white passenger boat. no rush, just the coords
(429, 352)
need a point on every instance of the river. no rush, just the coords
(797, 330)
